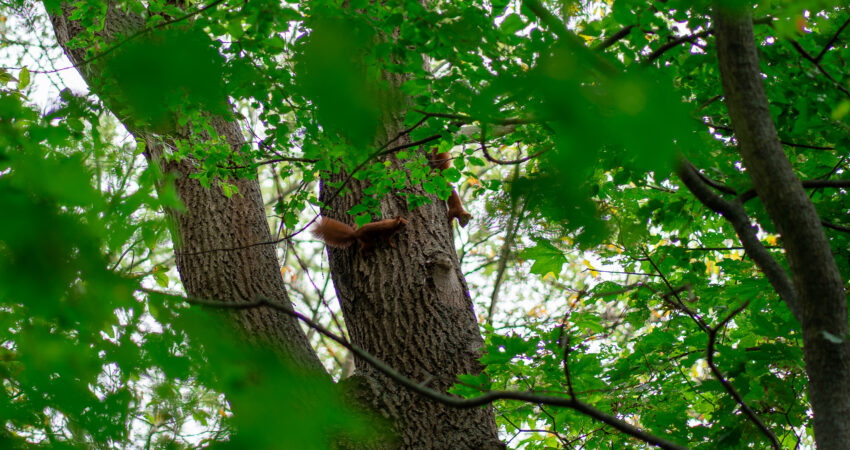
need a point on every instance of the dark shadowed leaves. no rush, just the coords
(155, 76)
(332, 73)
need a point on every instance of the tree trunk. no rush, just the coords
(815, 275)
(215, 246)
(410, 307)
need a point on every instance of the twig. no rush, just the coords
(514, 220)
(675, 43)
(483, 146)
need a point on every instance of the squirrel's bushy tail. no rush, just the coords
(334, 233)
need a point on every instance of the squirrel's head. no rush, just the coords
(400, 221)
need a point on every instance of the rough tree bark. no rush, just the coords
(815, 275)
(410, 307)
(212, 222)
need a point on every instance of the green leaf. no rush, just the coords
(23, 78)
(546, 258)
(512, 24)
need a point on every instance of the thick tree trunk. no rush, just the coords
(815, 275)
(215, 245)
(410, 307)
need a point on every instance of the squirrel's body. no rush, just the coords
(339, 235)
(456, 210)
(440, 161)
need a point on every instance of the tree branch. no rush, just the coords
(675, 43)
(614, 38)
(750, 193)
(831, 41)
(489, 157)
(817, 64)
(734, 212)
(712, 339)
(432, 394)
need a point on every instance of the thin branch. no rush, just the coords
(675, 43)
(514, 220)
(831, 41)
(456, 402)
(716, 184)
(469, 119)
(734, 212)
(134, 36)
(788, 143)
(319, 292)
(335, 194)
(614, 38)
(835, 226)
(489, 157)
(621, 272)
(817, 64)
(811, 147)
(712, 339)
(722, 249)
(693, 37)
(426, 140)
(557, 26)
(750, 194)
(709, 101)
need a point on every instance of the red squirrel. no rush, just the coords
(440, 161)
(339, 235)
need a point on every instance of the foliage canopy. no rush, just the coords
(631, 272)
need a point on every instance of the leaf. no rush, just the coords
(6, 77)
(160, 275)
(23, 79)
(546, 258)
(512, 24)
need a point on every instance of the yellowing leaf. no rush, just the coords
(711, 267)
(593, 271)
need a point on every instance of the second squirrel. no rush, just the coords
(440, 161)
